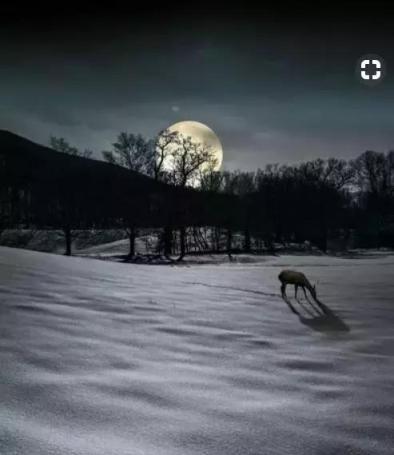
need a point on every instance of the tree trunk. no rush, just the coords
(323, 241)
(217, 238)
(247, 240)
(67, 235)
(131, 232)
(270, 244)
(182, 241)
(167, 241)
(229, 243)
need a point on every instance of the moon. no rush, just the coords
(201, 134)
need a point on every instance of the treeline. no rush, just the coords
(311, 201)
(225, 211)
(316, 201)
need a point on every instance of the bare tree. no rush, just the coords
(211, 180)
(136, 153)
(188, 159)
(244, 185)
(335, 172)
(375, 177)
(163, 144)
(184, 163)
(390, 163)
(374, 172)
(133, 152)
(339, 173)
(61, 145)
(241, 184)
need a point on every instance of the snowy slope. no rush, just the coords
(102, 358)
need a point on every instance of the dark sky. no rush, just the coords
(276, 84)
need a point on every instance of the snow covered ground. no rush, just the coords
(102, 358)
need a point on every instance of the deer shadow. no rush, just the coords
(319, 316)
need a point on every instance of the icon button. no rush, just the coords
(370, 69)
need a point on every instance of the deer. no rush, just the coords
(298, 279)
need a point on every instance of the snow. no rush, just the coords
(102, 358)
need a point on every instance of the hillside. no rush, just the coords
(37, 161)
(46, 189)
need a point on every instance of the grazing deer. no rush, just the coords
(298, 279)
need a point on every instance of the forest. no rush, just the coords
(193, 207)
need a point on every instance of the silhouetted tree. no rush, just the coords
(375, 179)
(183, 165)
(61, 145)
(305, 201)
(136, 153)
(244, 185)
(163, 144)
(133, 152)
(187, 160)
(211, 180)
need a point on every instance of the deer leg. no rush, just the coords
(284, 296)
(307, 298)
(295, 290)
(303, 288)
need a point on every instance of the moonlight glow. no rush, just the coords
(201, 134)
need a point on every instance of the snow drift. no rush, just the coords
(102, 358)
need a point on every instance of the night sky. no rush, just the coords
(275, 85)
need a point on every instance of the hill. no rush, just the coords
(48, 189)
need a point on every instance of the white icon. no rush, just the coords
(377, 64)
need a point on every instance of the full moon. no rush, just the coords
(199, 133)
